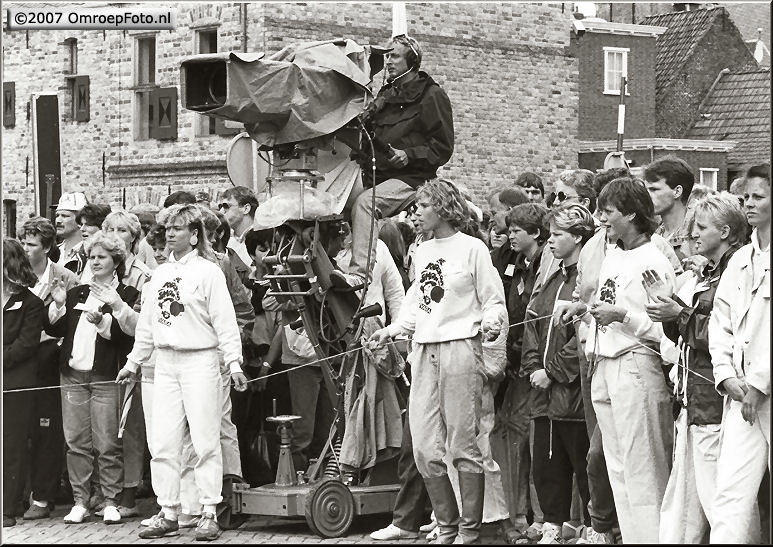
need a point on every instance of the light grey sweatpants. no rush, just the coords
(445, 405)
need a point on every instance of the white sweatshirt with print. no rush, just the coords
(456, 288)
(185, 307)
(620, 284)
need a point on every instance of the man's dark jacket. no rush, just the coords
(415, 117)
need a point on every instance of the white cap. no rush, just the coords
(72, 201)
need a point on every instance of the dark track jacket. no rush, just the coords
(553, 348)
(704, 404)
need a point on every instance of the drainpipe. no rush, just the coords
(708, 93)
(244, 26)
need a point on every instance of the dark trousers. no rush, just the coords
(46, 456)
(310, 401)
(17, 409)
(250, 409)
(560, 450)
(412, 497)
(602, 502)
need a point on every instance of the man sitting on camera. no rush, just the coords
(412, 118)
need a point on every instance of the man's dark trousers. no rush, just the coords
(412, 498)
(602, 502)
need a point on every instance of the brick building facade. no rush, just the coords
(598, 110)
(505, 68)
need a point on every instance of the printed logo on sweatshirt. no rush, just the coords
(431, 284)
(169, 301)
(608, 291)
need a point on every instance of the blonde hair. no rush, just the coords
(724, 211)
(191, 216)
(573, 218)
(128, 220)
(447, 200)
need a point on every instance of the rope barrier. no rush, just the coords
(334, 356)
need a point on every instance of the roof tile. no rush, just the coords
(738, 109)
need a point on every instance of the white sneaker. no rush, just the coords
(111, 515)
(391, 533)
(432, 536)
(427, 528)
(76, 515)
(600, 538)
(551, 533)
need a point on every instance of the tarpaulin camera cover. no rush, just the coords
(304, 91)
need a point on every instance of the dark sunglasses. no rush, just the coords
(224, 205)
(557, 197)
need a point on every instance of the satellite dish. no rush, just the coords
(243, 165)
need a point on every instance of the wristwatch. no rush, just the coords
(627, 318)
(265, 364)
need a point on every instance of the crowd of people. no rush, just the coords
(629, 363)
(597, 355)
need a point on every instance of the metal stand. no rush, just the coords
(285, 470)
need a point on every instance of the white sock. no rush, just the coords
(170, 513)
(40, 503)
(211, 509)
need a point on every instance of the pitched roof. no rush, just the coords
(738, 109)
(677, 44)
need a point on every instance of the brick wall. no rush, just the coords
(504, 66)
(597, 111)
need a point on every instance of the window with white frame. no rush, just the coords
(144, 83)
(615, 67)
(709, 177)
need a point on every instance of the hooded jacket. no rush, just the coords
(415, 117)
(553, 348)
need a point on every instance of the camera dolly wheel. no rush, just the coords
(329, 508)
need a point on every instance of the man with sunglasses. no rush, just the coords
(238, 205)
(412, 117)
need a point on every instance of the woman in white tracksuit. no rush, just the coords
(186, 317)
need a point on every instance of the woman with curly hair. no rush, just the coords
(188, 319)
(94, 347)
(456, 301)
(22, 325)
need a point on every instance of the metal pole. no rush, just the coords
(621, 115)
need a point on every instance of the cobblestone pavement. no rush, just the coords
(255, 530)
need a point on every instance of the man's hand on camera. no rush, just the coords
(400, 158)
